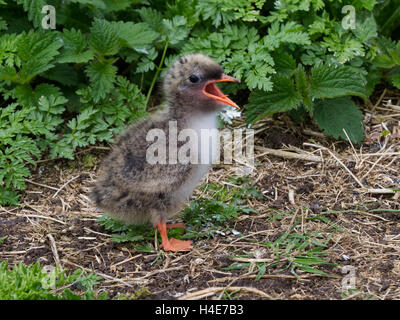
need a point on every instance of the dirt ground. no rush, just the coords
(352, 186)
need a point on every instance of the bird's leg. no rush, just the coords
(175, 225)
(171, 244)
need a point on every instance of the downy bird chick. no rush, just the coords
(135, 190)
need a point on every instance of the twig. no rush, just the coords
(41, 185)
(347, 169)
(314, 133)
(286, 154)
(291, 197)
(376, 162)
(271, 276)
(250, 260)
(55, 252)
(64, 185)
(351, 144)
(98, 273)
(213, 290)
(31, 215)
(379, 100)
(378, 191)
(126, 260)
(292, 221)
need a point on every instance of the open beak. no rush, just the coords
(211, 90)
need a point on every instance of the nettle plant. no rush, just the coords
(82, 82)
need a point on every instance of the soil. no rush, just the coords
(368, 241)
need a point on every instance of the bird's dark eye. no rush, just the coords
(193, 78)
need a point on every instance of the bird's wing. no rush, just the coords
(153, 178)
(127, 166)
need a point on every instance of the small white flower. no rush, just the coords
(228, 114)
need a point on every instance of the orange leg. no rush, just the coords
(175, 225)
(171, 244)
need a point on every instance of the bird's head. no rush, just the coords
(191, 82)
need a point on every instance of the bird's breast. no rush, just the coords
(205, 138)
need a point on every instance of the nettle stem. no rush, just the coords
(159, 68)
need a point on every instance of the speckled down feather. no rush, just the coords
(131, 189)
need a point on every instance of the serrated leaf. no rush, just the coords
(284, 97)
(284, 63)
(102, 77)
(104, 37)
(34, 9)
(303, 88)
(329, 81)
(396, 80)
(290, 32)
(75, 47)
(367, 29)
(136, 35)
(95, 3)
(153, 18)
(28, 96)
(176, 29)
(36, 51)
(334, 115)
(388, 54)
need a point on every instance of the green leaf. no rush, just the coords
(33, 53)
(285, 64)
(34, 9)
(290, 32)
(261, 272)
(329, 81)
(104, 38)
(136, 35)
(176, 29)
(388, 54)
(313, 270)
(102, 77)
(28, 96)
(153, 18)
(3, 24)
(334, 115)
(284, 97)
(367, 29)
(396, 80)
(75, 47)
(303, 88)
(95, 3)
(62, 73)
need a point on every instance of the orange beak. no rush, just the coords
(211, 90)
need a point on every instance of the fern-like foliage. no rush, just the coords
(27, 55)
(34, 10)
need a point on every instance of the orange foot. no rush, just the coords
(176, 245)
